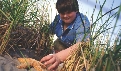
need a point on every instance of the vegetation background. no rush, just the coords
(24, 28)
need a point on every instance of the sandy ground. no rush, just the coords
(10, 62)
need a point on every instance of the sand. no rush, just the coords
(9, 64)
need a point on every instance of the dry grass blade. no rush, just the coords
(5, 38)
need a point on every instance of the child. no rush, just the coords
(71, 27)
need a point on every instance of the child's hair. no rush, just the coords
(67, 6)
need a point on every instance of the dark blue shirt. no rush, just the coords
(75, 32)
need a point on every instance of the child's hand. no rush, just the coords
(51, 61)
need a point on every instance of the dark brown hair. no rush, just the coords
(67, 6)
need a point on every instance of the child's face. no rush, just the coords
(68, 17)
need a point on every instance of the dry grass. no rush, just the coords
(77, 61)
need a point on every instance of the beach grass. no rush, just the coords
(98, 54)
(101, 54)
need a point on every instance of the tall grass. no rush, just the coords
(28, 14)
(95, 55)
(13, 14)
(99, 54)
